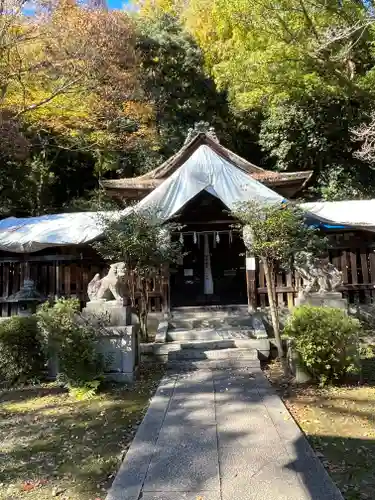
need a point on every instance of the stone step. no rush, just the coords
(201, 315)
(191, 334)
(228, 309)
(203, 345)
(223, 364)
(215, 354)
(225, 333)
(244, 322)
(209, 345)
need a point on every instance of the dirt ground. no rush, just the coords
(340, 425)
(54, 446)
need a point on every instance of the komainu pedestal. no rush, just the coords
(321, 281)
(108, 311)
(326, 299)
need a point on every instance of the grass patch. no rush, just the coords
(52, 445)
(340, 425)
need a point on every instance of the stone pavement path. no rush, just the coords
(220, 435)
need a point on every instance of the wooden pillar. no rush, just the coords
(25, 269)
(165, 290)
(58, 284)
(251, 282)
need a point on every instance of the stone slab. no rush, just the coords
(182, 495)
(244, 463)
(242, 429)
(236, 388)
(120, 344)
(186, 459)
(273, 480)
(192, 411)
(195, 444)
(131, 475)
(197, 384)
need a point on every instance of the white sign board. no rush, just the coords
(250, 264)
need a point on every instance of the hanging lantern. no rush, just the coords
(195, 238)
(181, 238)
(217, 238)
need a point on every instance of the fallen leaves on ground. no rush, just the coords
(340, 425)
(53, 446)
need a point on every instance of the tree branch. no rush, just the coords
(48, 99)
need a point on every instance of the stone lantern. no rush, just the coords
(27, 298)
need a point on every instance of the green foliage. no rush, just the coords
(140, 239)
(274, 233)
(73, 341)
(277, 231)
(86, 391)
(144, 244)
(174, 80)
(327, 341)
(97, 199)
(307, 67)
(21, 350)
(54, 156)
(284, 84)
(267, 51)
(315, 134)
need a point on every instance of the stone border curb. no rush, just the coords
(133, 469)
(161, 333)
(308, 467)
(260, 331)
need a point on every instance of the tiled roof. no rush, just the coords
(268, 177)
(152, 179)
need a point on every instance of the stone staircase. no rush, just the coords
(212, 337)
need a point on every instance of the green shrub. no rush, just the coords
(74, 342)
(21, 350)
(326, 340)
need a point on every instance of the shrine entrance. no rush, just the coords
(212, 270)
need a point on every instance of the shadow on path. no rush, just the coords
(220, 435)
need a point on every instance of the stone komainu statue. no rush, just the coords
(109, 287)
(318, 275)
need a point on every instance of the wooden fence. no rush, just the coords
(67, 274)
(352, 253)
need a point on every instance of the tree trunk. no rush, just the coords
(143, 310)
(143, 324)
(271, 290)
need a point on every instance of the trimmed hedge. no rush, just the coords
(327, 341)
(21, 350)
(74, 342)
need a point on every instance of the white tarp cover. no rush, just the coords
(355, 213)
(206, 170)
(36, 233)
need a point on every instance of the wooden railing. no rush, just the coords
(352, 254)
(63, 276)
(68, 274)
